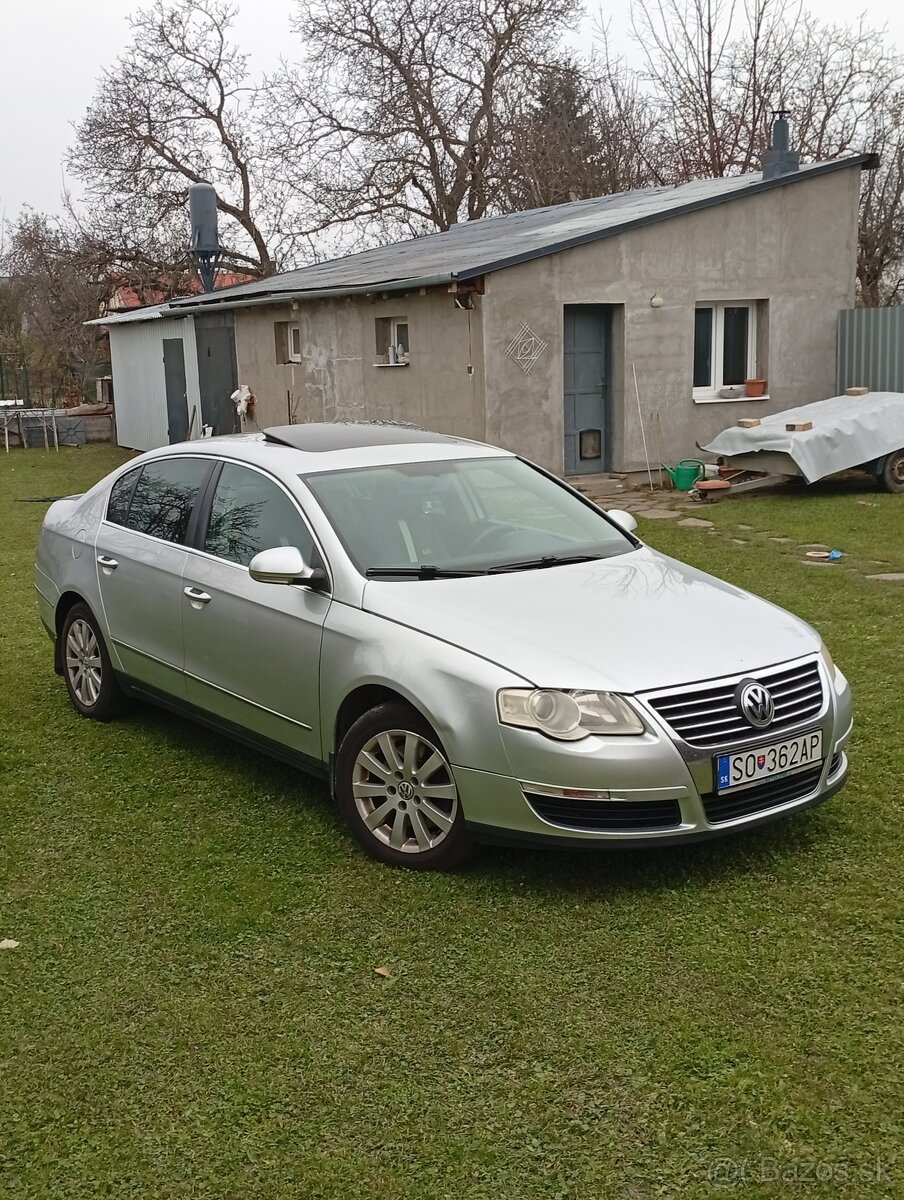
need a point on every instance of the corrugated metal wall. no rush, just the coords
(871, 349)
(139, 388)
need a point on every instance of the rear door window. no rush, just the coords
(120, 497)
(164, 497)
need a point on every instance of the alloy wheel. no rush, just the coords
(83, 662)
(404, 791)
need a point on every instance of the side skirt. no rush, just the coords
(294, 758)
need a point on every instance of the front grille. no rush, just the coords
(708, 716)
(606, 816)
(835, 764)
(761, 797)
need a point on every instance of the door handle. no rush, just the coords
(197, 596)
(109, 564)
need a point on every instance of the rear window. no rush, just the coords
(162, 499)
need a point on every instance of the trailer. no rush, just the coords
(851, 432)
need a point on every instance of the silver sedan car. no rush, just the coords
(465, 647)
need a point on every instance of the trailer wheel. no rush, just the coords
(891, 473)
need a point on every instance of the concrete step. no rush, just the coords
(595, 486)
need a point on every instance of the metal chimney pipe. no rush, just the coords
(781, 131)
(780, 159)
(204, 249)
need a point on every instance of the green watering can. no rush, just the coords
(686, 473)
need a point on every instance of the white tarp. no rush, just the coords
(848, 431)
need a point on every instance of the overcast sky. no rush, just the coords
(54, 51)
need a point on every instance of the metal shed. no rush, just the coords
(168, 369)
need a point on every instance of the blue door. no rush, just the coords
(587, 353)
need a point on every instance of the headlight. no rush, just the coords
(568, 716)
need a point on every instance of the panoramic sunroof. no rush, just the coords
(321, 438)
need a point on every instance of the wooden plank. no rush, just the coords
(857, 391)
(748, 422)
(799, 426)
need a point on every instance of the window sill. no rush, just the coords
(402, 364)
(715, 398)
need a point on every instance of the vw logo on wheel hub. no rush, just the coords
(756, 703)
(406, 791)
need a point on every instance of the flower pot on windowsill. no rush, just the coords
(755, 388)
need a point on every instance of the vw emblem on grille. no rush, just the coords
(756, 703)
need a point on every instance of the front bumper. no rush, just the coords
(643, 791)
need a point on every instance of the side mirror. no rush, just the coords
(623, 519)
(286, 565)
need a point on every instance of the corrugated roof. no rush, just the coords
(476, 248)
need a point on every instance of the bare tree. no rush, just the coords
(404, 104)
(880, 257)
(714, 69)
(176, 109)
(54, 281)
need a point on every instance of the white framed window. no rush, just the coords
(725, 343)
(287, 342)
(392, 343)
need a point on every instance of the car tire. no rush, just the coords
(891, 473)
(400, 814)
(87, 668)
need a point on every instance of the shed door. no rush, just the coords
(176, 393)
(217, 371)
(587, 352)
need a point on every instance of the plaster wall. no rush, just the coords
(337, 378)
(793, 248)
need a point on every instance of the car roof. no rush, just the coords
(319, 438)
(315, 447)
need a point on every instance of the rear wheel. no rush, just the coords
(87, 669)
(396, 791)
(891, 473)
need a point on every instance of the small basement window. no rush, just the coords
(392, 344)
(725, 348)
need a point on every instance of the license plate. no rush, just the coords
(735, 771)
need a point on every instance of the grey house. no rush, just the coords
(530, 330)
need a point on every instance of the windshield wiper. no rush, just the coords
(423, 571)
(545, 560)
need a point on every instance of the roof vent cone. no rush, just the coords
(780, 159)
(205, 250)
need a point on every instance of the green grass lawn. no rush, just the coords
(193, 1013)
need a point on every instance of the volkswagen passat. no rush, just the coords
(466, 648)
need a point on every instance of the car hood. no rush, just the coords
(628, 624)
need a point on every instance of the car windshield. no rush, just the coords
(468, 516)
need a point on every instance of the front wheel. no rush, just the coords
(396, 791)
(87, 669)
(891, 473)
